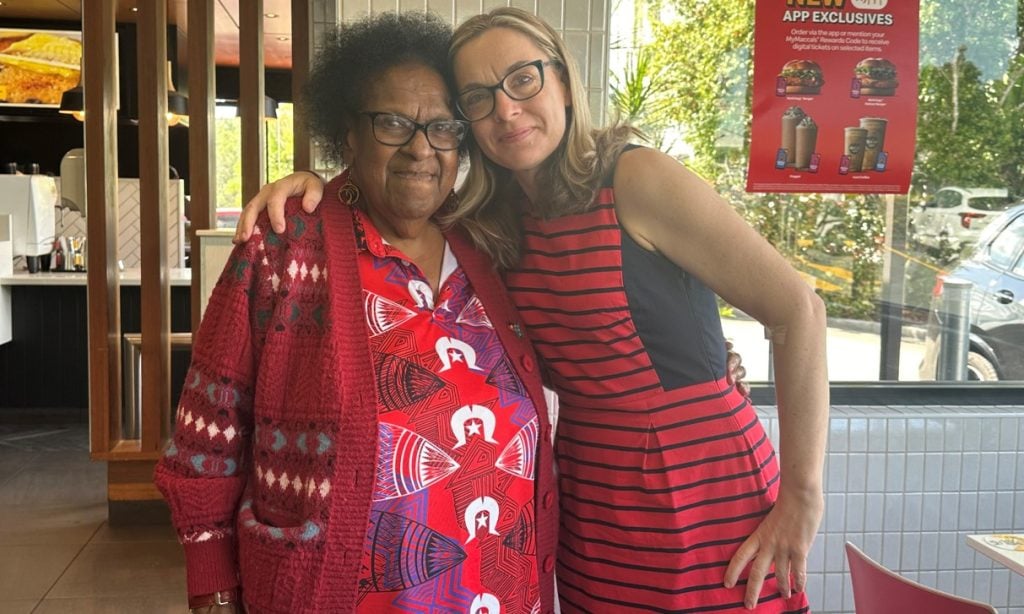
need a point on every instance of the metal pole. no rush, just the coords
(955, 328)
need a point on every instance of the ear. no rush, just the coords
(348, 148)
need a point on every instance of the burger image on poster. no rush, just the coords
(875, 77)
(800, 77)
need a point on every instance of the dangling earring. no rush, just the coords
(451, 203)
(349, 193)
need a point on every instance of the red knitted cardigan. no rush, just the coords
(270, 473)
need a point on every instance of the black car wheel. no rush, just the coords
(980, 368)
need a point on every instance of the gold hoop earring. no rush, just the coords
(349, 193)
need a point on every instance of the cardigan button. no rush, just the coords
(528, 363)
(549, 564)
(549, 500)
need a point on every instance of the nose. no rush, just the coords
(419, 147)
(505, 108)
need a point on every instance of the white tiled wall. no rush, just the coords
(72, 224)
(907, 484)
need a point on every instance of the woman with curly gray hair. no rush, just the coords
(363, 427)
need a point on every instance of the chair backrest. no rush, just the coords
(876, 590)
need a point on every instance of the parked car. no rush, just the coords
(954, 217)
(996, 268)
(227, 217)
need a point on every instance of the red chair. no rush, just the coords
(876, 590)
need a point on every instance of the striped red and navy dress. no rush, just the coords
(664, 467)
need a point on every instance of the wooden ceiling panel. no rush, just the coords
(277, 52)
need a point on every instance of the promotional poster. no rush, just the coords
(835, 96)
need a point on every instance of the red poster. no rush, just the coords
(835, 96)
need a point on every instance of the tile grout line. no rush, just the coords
(68, 566)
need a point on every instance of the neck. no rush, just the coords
(402, 232)
(527, 181)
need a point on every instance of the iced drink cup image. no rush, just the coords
(874, 143)
(790, 119)
(854, 147)
(806, 140)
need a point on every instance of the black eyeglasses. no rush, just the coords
(522, 83)
(396, 130)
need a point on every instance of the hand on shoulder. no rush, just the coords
(273, 197)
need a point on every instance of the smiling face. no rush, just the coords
(411, 182)
(519, 134)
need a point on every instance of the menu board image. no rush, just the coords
(835, 96)
(37, 66)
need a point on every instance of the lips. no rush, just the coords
(416, 175)
(515, 136)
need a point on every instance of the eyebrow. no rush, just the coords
(512, 67)
(403, 115)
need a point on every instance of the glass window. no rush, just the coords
(946, 199)
(1004, 247)
(685, 81)
(278, 160)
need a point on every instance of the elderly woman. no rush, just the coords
(363, 427)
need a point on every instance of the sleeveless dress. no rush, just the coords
(664, 468)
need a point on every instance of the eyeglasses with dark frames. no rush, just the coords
(397, 130)
(521, 83)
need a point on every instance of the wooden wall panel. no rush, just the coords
(250, 99)
(202, 142)
(302, 53)
(153, 174)
(101, 195)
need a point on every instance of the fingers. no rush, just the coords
(758, 570)
(741, 384)
(782, 578)
(740, 560)
(275, 207)
(247, 221)
(250, 213)
(799, 578)
(314, 193)
(798, 572)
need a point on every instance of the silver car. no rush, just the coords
(954, 218)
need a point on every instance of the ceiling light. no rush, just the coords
(282, 38)
(72, 102)
(270, 15)
(135, 9)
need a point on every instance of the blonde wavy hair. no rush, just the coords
(571, 175)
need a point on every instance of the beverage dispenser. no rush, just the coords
(30, 200)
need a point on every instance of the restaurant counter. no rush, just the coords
(44, 334)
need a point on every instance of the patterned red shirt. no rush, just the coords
(452, 522)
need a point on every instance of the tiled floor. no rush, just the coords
(57, 552)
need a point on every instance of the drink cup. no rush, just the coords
(790, 119)
(874, 143)
(854, 147)
(806, 141)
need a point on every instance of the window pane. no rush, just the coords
(684, 79)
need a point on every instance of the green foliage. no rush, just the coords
(695, 77)
(279, 156)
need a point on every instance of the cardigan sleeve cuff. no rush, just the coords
(211, 566)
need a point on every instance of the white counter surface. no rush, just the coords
(129, 277)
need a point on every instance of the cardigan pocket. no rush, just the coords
(278, 565)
